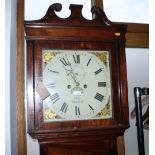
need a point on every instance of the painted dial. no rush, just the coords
(78, 83)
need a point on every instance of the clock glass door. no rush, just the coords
(77, 83)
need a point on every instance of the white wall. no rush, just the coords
(10, 63)
(127, 10)
(7, 75)
(138, 76)
(137, 68)
(40, 10)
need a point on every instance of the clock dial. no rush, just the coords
(78, 83)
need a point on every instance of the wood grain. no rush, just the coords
(137, 35)
(98, 3)
(120, 145)
(20, 89)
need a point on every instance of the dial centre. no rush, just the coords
(77, 91)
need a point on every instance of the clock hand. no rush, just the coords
(70, 72)
(74, 77)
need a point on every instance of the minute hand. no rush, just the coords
(71, 73)
(68, 71)
(74, 77)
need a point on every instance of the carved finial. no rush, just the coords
(75, 18)
(96, 11)
(50, 14)
(100, 15)
(57, 7)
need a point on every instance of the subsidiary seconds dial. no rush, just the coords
(78, 83)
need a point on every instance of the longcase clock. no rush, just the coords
(76, 83)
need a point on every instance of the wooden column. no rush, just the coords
(98, 3)
(120, 145)
(20, 58)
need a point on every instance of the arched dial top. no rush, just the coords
(78, 83)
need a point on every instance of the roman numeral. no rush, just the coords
(77, 110)
(98, 71)
(53, 71)
(88, 61)
(64, 107)
(65, 62)
(102, 84)
(99, 97)
(76, 58)
(54, 98)
(91, 107)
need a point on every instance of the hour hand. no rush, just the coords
(68, 71)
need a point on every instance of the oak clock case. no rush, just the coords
(76, 83)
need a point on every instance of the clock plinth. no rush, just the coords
(76, 83)
(91, 142)
(108, 147)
